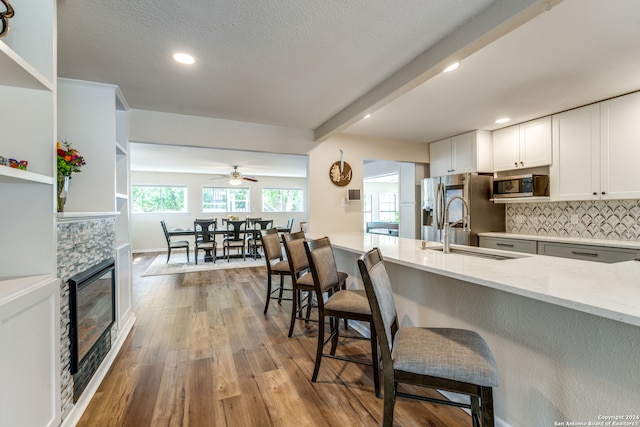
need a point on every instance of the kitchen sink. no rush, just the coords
(477, 252)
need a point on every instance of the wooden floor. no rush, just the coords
(203, 354)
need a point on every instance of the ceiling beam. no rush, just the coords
(498, 19)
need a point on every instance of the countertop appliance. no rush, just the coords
(521, 186)
(476, 190)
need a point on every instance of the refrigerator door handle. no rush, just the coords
(440, 206)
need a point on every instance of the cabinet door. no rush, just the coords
(440, 158)
(575, 172)
(506, 149)
(464, 153)
(620, 147)
(535, 143)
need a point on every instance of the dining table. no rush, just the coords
(223, 231)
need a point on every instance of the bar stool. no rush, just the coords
(340, 304)
(450, 359)
(276, 264)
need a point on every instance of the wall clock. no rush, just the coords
(340, 173)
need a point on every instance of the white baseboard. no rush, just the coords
(80, 406)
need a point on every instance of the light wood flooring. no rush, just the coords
(202, 353)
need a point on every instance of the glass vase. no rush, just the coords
(63, 190)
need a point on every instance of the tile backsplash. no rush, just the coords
(598, 219)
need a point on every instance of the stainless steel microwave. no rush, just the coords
(521, 186)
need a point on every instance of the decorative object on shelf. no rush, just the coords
(13, 163)
(69, 161)
(22, 165)
(4, 161)
(340, 172)
(4, 18)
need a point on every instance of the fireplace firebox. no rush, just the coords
(92, 311)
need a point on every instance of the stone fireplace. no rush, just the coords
(83, 243)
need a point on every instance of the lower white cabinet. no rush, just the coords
(584, 252)
(124, 288)
(514, 245)
(587, 252)
(30, 351)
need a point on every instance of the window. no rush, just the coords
(282, 200)
(148, 199)
(223, 199)
(368, 208)
(387, 207)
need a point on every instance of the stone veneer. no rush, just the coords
(82, 243)
(597, 219)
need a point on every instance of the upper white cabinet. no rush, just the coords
(575, 173)
(522, 146)
(469, 152)
(28, 96)
(620, 147)
(596, 150)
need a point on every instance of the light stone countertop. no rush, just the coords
(607, 290)
(626, 244)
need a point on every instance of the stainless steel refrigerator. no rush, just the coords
(476, 190)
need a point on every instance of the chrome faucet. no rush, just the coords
(464, 220)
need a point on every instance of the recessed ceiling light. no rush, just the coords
(184, 58)
(451, 67)
(503, 120)
(367, 116)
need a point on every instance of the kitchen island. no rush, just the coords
(565, 333)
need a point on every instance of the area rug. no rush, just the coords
(178, 264)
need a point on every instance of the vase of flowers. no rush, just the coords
(69, 161)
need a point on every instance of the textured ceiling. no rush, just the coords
(302, 63)
(291, 63)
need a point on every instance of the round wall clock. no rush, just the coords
(340, 173)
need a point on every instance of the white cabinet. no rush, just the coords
(28, 93)
(30, 355)
(620, 147)
(469, 152)
(596, 150)
(522, 146)
(575, 173)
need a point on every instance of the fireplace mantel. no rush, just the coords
(83, 216)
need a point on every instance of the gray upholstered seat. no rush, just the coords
(449, 359)
(455, 354)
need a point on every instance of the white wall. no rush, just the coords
(147, 232)
(326, 213)
(325, 209)
(178, 129)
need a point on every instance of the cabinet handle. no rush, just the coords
(522, 164)
(603, 193)
(506, 245)
(584, 254)
(515, 164)
(595, 194)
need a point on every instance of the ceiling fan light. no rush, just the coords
(235, 181)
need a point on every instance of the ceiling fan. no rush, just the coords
(235, 177)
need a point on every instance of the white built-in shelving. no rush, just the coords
(28, 92)
(29, 289)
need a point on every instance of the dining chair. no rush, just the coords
(236, 237)
(276, 265)
(339, 304)
(177, 244)
(301, 280)
(253, 238)
(456, 360)
(205, 238)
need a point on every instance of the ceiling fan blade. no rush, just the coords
(249, 178)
